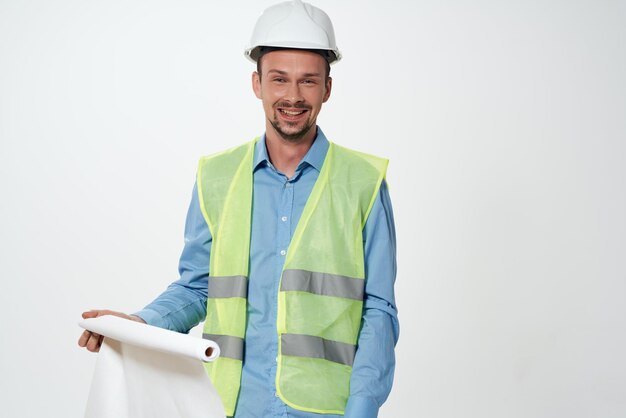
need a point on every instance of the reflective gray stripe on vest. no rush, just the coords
(228, 286)
(231, 347)
(322, 284)
(309, 346)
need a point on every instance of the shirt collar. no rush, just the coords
(314, 157)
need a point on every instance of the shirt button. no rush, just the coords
(283, 252)
(284, 219)
(276, 394)
(288, 185)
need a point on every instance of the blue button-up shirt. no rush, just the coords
(278, 202)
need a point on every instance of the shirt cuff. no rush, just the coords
(359, 407)
(152, 318)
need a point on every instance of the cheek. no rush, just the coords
(279, 92)
(316, 99)
(272, 90)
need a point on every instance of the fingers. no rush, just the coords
(91, 341)
(94, 313)
(84, 337)
(90, 314)
(95, 342)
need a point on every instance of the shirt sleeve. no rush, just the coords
(374, 362)
(183, 304)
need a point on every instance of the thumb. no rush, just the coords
(90, 314)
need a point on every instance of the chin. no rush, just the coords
(292, 134)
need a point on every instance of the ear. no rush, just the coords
(256, 84)
(329, 87)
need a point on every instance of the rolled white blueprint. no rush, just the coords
(145, 371)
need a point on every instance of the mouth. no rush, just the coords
(292, 114)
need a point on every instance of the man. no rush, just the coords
(290, 248)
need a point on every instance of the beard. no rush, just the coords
(282, 127)
(292, 136)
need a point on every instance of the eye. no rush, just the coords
(278, 80)
(308, 81)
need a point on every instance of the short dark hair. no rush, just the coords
(264, 50)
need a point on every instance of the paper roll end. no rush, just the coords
(210, 351)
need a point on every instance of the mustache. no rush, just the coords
(297, 105)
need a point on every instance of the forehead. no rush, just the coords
(293, 61)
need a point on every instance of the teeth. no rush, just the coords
(290, 113)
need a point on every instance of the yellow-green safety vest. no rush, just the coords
(320, 296)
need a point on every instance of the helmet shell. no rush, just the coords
(293, 24)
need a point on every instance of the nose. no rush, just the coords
(293, 93)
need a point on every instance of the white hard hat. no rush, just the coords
(294, 24)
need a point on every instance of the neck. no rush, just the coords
(284, 154)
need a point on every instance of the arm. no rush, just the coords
(183, 304)
(374, 363)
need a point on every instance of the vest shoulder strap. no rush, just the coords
(216, 175)
(358, 167)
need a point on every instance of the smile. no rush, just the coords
(292, 112)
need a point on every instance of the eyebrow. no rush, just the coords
(285, 73)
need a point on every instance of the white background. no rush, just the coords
(505, 124)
